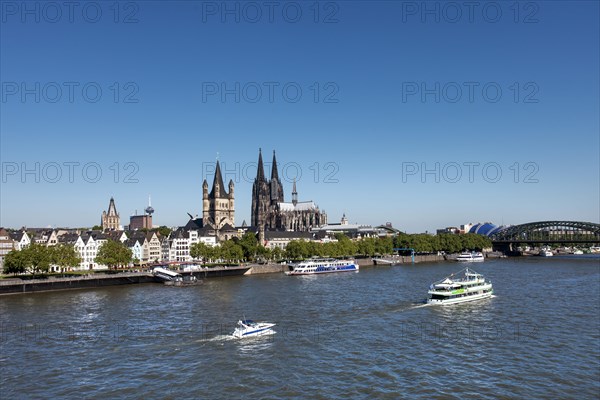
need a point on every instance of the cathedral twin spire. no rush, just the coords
(265, 193)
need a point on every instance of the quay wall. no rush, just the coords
(363, 262)
(266, 269)
(11, 286)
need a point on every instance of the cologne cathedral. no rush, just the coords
(271, 212)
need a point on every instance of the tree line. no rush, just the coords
(247, 248)
(37, 258)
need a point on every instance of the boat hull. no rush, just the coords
(261, 330)
(348, 268)
(464, 299)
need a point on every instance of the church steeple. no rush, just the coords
(260, 172)
(218, 189)
(218, 206)
(294, 194)
(112, 209)
(274, 173)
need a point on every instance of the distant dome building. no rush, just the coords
(486, 229)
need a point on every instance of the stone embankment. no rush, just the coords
(16, 285)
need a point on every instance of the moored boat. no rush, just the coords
(473, 256)
(322, 266)
(546, 253)
(459, 289)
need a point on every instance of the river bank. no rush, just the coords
(17, 285)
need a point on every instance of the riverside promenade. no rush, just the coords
(17, 285)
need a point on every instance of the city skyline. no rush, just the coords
(489, 119)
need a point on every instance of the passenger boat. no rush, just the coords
(474, 256)
(459, 289)
(595, 249)
(249, 328)
(546, 253)
(165, 274)
(322, 266)
(188, 280)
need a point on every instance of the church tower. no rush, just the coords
(260, 196)
(111, 221)
(265, 195)
(218, 206)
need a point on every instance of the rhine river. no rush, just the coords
(348, 335)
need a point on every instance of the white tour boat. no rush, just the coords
(322, 266)
(546, 253)
(595, 249)
(474, 256)
(459, 289)
(249, 328)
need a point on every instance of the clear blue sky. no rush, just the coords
(373, 127)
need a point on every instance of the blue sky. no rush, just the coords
(387, 90)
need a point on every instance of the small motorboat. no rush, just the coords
(249, 328)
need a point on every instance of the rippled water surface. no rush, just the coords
(349, 335)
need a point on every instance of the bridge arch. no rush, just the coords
(549, 232)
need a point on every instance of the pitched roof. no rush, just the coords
(218, 179)
(112, 209)
(68, 238)
(16, 235)
(299, 206)
(197, 223)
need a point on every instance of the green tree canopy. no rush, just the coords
(230, 251)
(64, 256)
(163, 231)
(16, 262)
(39, 258)
(114, 254)
(203, 251)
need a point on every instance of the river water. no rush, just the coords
(348, 335)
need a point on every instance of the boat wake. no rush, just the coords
(410, 306)
(218, 338)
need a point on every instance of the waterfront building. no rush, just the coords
(448, 230)
(7, 244)
(140, 222)
(271, 212)
(177, 246)
(21, 239)
(46, 237)
(87, 246)
(136, 245)
(111, 221)
(281, 239)
(353, 231)
(154, 247)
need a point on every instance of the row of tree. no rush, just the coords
(37, 258)
(449, 243)
(247, 248)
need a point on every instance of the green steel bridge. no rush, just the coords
(547, 232)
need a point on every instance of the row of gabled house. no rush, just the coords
(147, 247)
